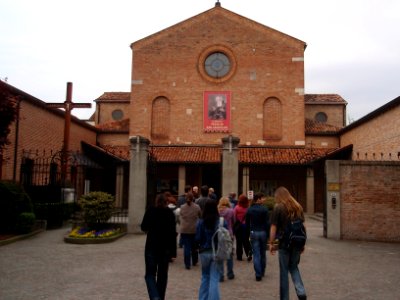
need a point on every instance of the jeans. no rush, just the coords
(229, 266)
(288, 262)
(156, 276)
(242, 242)
(190, 254)
(258, 241)
(210, 272)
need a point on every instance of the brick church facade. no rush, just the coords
(218, 99)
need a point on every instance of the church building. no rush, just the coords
(219, 100)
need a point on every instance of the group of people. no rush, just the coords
(248, 222)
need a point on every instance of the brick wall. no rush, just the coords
(41, 130)
(335, 113)
(379, 135)
(268, 64)
(370, 200)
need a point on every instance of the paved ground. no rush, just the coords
(44, 267)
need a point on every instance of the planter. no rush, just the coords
(81, 235)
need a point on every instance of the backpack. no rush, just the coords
(223, 247)
(294, 235)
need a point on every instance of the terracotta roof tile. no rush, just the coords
(212, 154)
(122, 125)
(114, 96)
(323, 99)
(187, 154)
(280, 156)
(314, 127)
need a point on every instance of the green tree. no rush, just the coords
(8, 113)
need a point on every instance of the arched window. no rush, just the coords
(160, 119)
(272, 119)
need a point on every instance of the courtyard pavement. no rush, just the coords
(45, 267)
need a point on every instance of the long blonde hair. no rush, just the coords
(223, 203)
(294, 209)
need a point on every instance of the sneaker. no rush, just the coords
(258, 278)
(249, 258)
(231, 276)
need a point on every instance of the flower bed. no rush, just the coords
(86, 235)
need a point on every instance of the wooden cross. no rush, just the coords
(68, 105)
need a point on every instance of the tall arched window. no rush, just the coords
(272, 119)
(160, 119)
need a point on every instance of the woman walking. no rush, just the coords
(159, 224)
(210, 268)
(189, 214)
(286, 210)
(225, 211)
(242, 233)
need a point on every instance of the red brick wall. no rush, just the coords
(267, 65)
(41, 130)
(370, 200)
(379, 135)
(335, 113)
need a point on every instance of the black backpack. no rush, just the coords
(294, 235)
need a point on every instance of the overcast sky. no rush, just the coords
(353, 46)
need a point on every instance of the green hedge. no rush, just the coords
(13, 202)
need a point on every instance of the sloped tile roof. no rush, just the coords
(114, 96)
(212, 154)
(314, 127)
(323, 99)
(122, 125)
(280, 156)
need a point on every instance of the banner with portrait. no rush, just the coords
(217, 111)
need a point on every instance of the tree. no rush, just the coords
(8, 113)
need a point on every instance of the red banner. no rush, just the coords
(217, 111)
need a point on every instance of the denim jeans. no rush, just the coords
(229, 266)
(190, 254)
(156, 276)
(258, 241)
(288, 263)
(210, 272)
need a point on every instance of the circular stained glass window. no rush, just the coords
(217, 65)
(117, 114)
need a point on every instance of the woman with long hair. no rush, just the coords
(210, 268)
(242, 233)
(286, 210)
(225, 211)
(189, 214)
(159, 224)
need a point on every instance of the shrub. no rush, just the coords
(97, 207)
(13, 201)
(25, 222)
(270, 203)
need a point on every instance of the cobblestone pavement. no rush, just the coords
(44, 267)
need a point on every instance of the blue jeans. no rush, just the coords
(156, 276)
(288, 262)
(210, 272)
(229, 266)
(190, 254)
(258, 241)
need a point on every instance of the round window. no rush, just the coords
(217, 65)
(117, 114)
(321, 117)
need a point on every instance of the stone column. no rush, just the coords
(230, 165)
(332, 168)
(310, 191)
(119, 185)
(181, 179)
(137, 182)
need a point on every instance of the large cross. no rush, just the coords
(68, 105)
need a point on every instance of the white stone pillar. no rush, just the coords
(230, 165)
(181, 179)
(333, 217)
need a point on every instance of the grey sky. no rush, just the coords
(353, 45)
